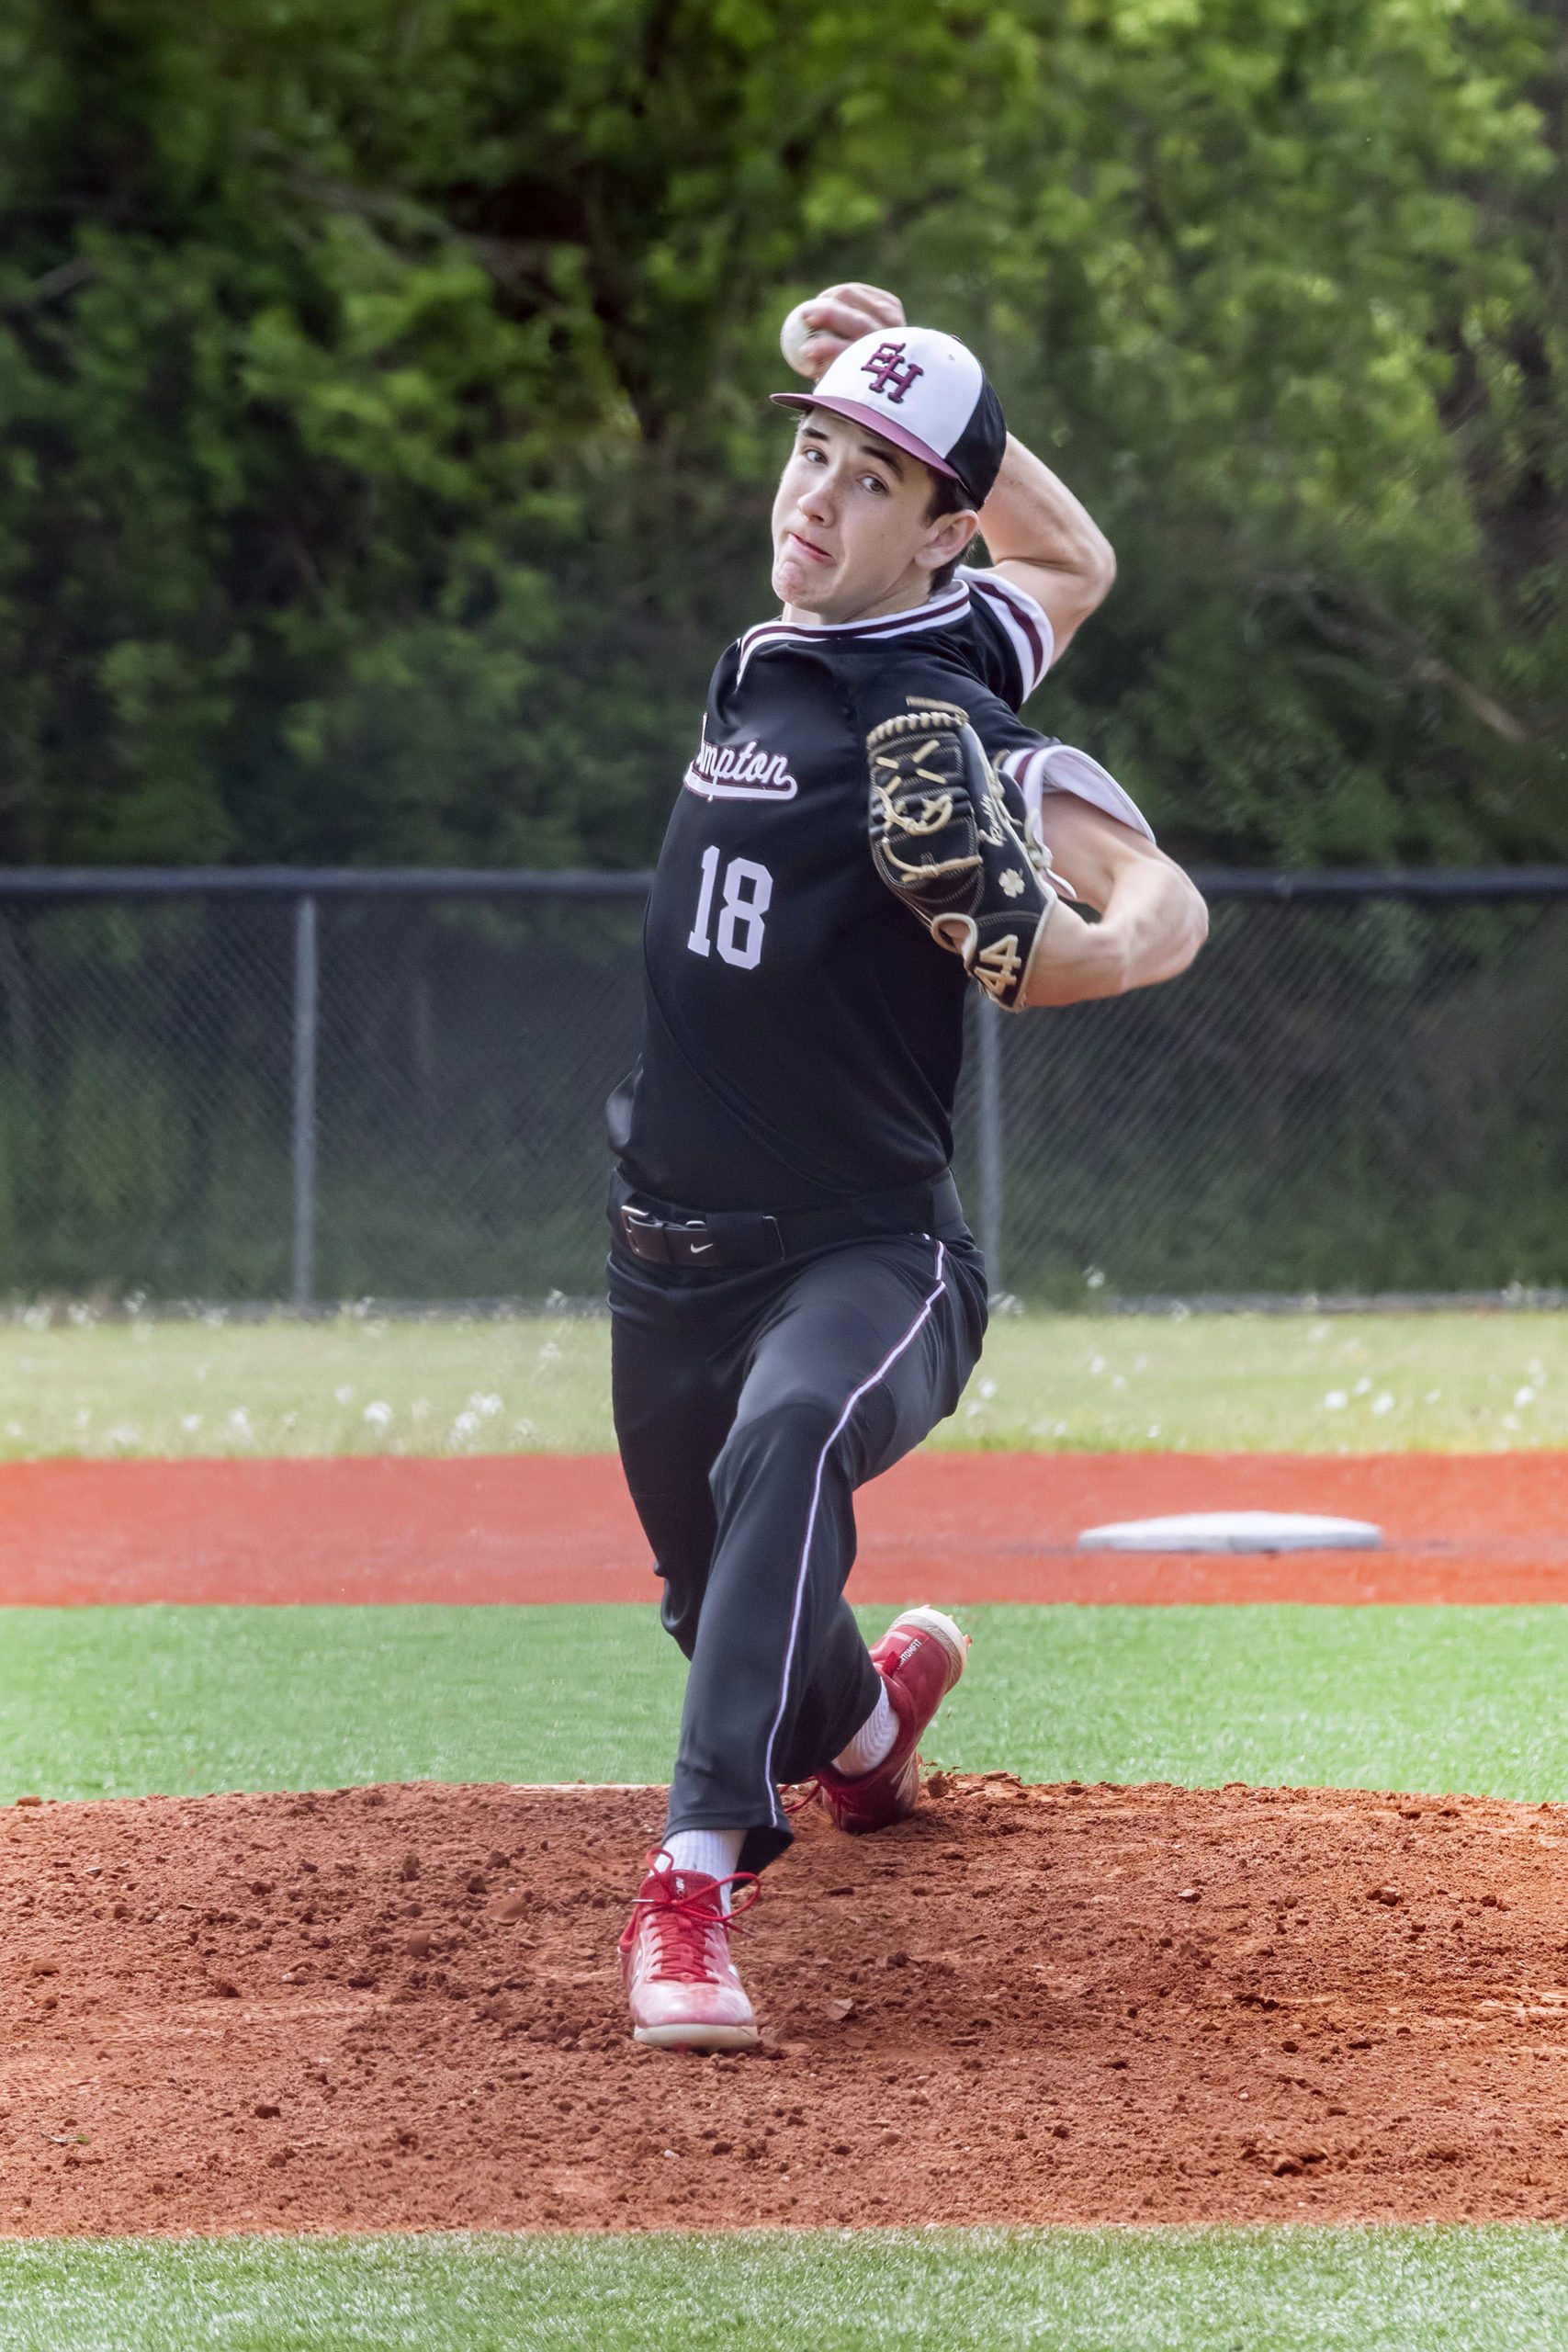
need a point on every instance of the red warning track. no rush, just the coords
(947, 1527)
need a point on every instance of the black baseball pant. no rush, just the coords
(750, 1406)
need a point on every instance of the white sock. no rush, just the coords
(874, 1741)
(714, 1852)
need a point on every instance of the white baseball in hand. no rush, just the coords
(794, 336)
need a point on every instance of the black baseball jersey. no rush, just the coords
(802, 1032)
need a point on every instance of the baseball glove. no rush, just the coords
(946, 842)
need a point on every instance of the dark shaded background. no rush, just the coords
(385, 459)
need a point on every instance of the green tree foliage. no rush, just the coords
(385, 457)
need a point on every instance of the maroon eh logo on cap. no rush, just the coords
(888, 366)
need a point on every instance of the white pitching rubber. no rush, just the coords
(1235, 1530)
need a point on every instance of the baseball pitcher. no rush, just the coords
(867, 830)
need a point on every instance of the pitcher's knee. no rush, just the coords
(787, 1435)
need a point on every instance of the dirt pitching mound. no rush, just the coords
(398, 2008)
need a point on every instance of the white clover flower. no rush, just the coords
(190, 1423)
(485, 1407)
(1336, 1401)
(1524, 1395)
(1382, 1403)
(344, 1396)
(988, 1389)
(378, 1415)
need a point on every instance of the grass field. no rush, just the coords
(1503, 2289)
(120, 1702)
(129, 1700)
(1053, 1383)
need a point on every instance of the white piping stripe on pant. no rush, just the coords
(887, 1362)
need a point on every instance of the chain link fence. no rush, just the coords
(274, 1085)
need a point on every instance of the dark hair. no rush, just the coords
(948, 497)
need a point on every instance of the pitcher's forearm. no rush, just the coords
(1153, 925)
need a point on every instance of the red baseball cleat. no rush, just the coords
(919, 1659)
(675, 1963)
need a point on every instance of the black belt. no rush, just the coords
(663, 1235)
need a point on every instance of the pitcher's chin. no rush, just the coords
(800, 582)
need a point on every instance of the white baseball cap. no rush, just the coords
(924, 392)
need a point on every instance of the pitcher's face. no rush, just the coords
(852, 533)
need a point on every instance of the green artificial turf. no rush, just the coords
(357, 1383)
(120, 1702)
(1499, 2289)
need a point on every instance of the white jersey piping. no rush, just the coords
(1026, 627)
(937, 614)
